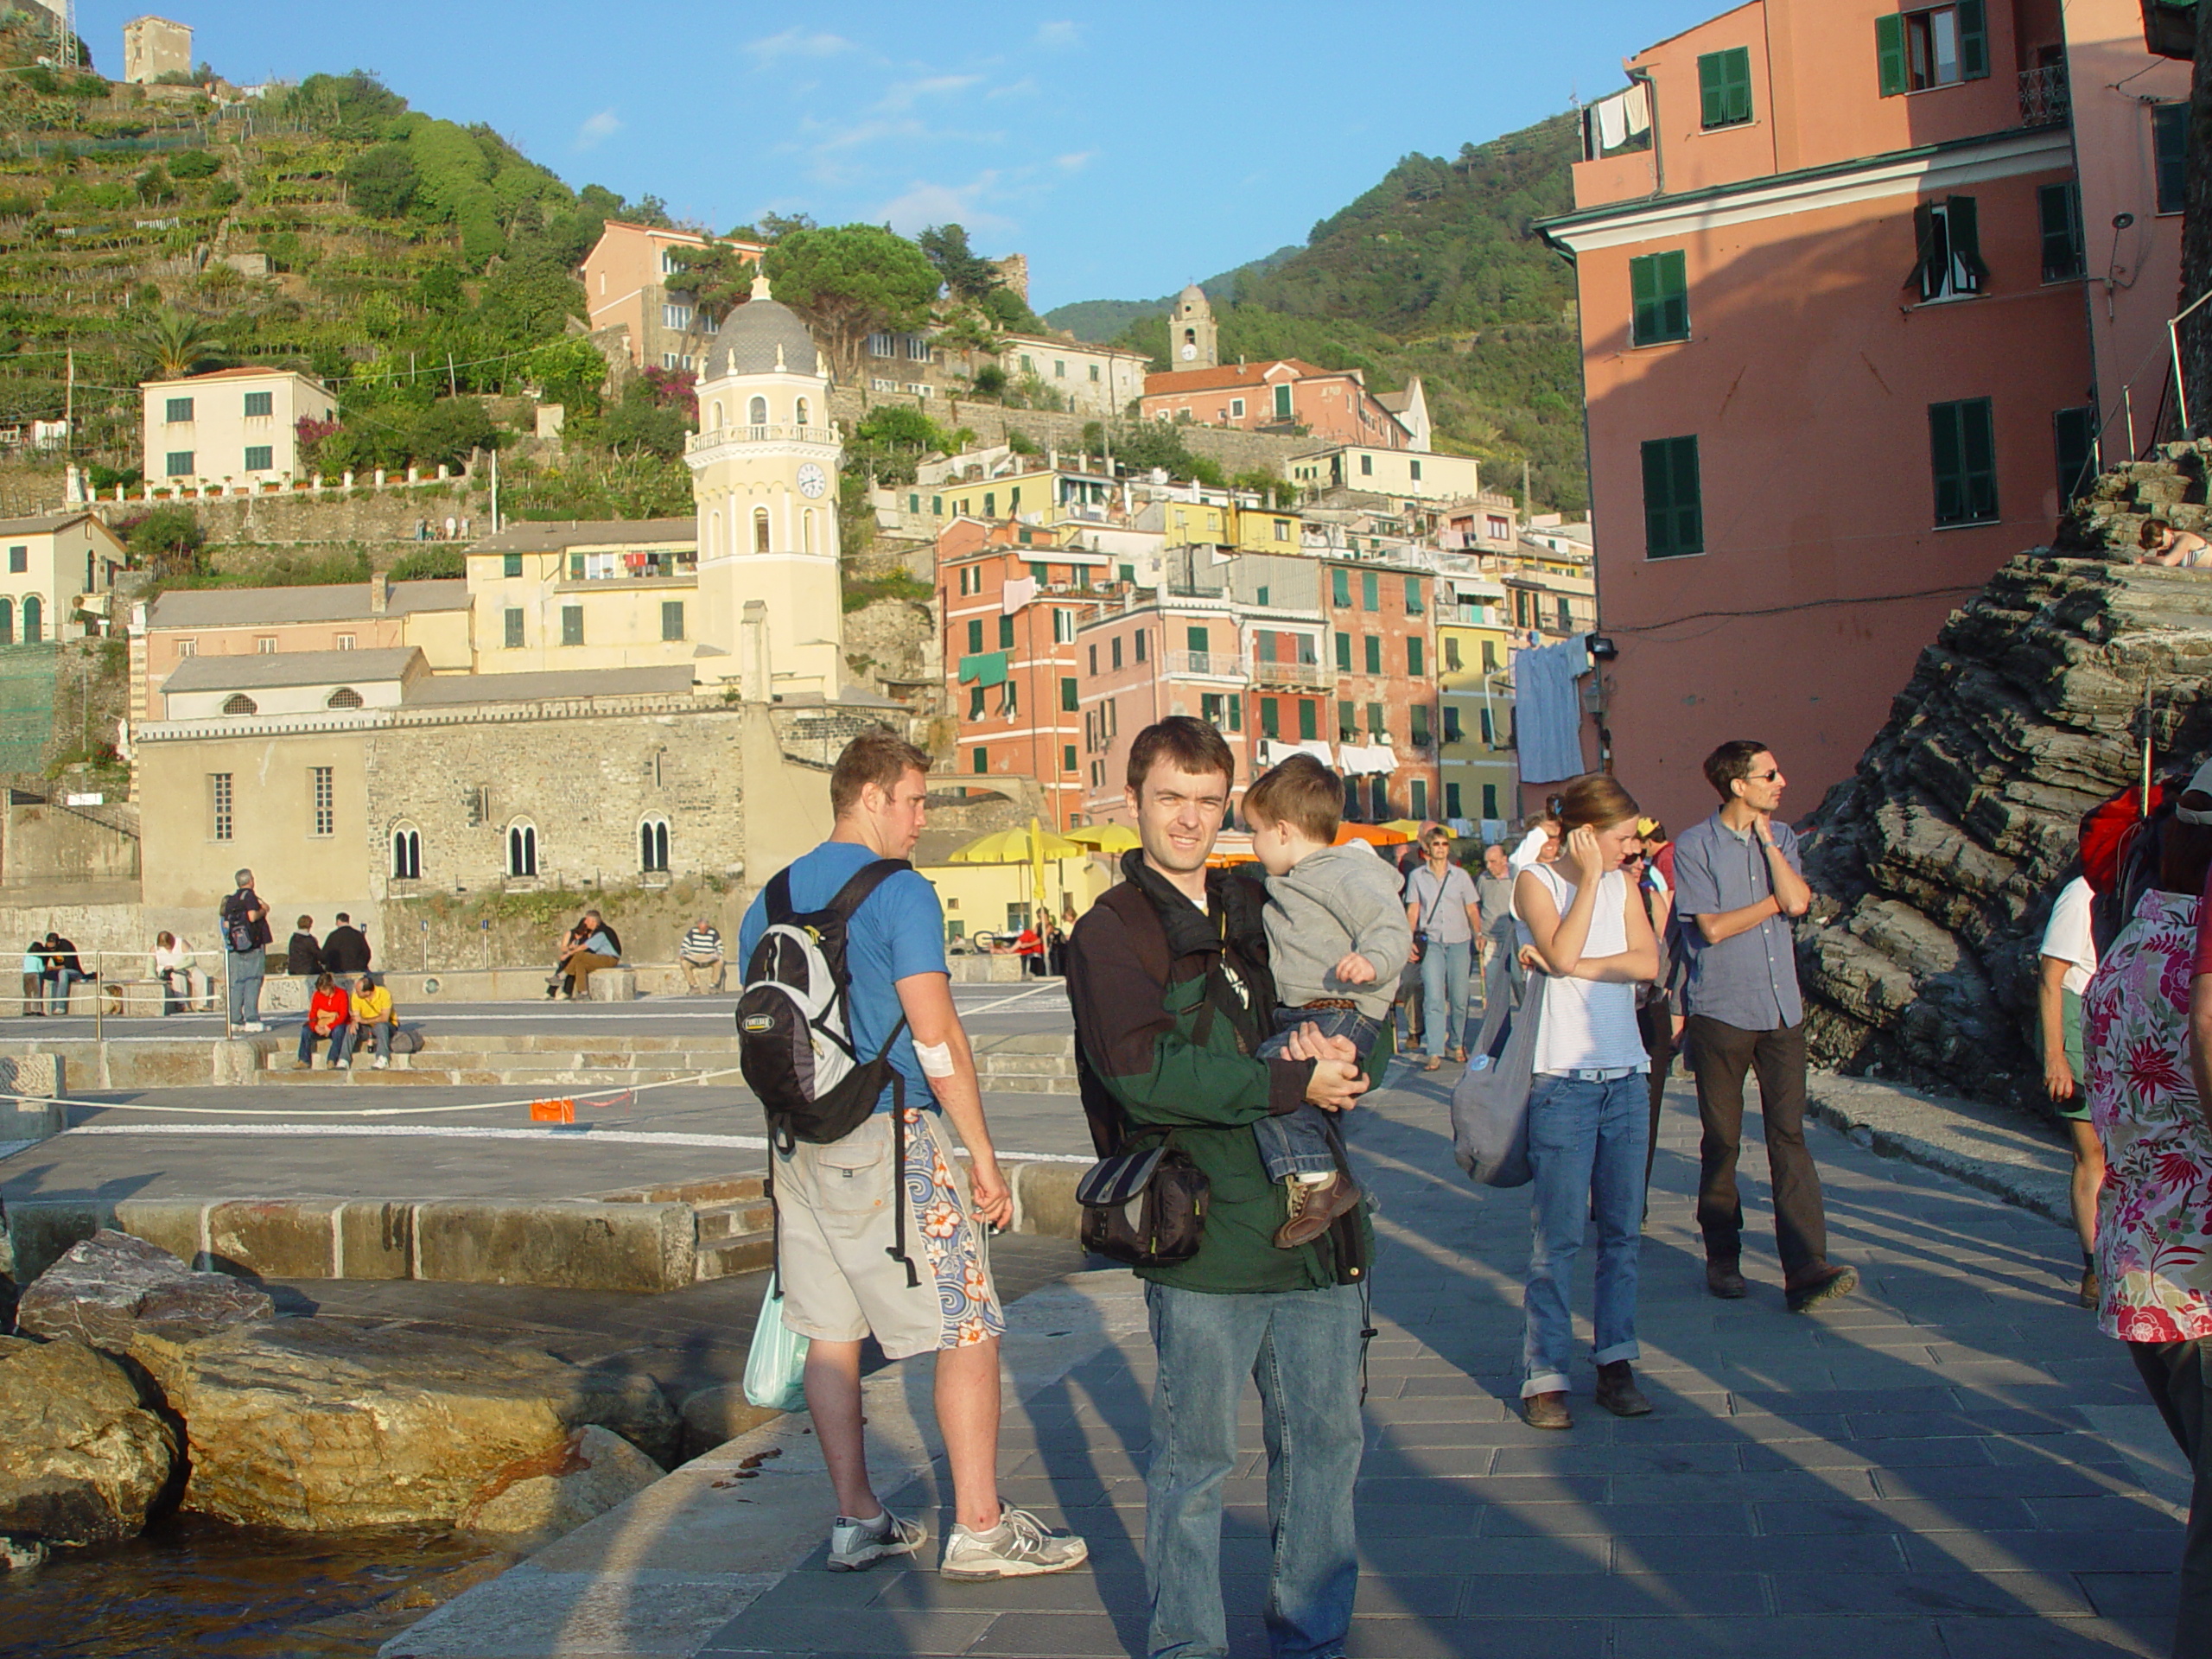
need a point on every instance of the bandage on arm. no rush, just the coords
(935, 1059)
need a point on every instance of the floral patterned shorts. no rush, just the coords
(835, 1205)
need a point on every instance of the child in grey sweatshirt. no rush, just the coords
(1337, 939)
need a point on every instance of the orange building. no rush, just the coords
(1332, 404)
(1842, 330)
(632, 280)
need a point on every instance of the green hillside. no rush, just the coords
(1102, 321)
(1435, 272)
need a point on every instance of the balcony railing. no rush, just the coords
(760, 434)
(1217, 665)
(1292, 676)
(2045, 98)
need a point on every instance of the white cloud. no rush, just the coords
(924, 205)
(1057, 36)
(1075, 161)
(904, 94)
(796, 42)
(1025, 88)
(598, 130)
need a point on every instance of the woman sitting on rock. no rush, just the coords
(2163, 544)
(2148, 1084)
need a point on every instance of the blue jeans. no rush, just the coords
(1444, 993)
(1297, 1143)
(58, 988)
(1586, 1146)
(337, 1039)
(1302, 1348)
(374, 1033)
(246, 971)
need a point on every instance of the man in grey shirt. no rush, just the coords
(1494, 898)
(1737, 877)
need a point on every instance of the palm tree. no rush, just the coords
(175, 342)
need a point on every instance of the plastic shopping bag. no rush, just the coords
(775, 1369)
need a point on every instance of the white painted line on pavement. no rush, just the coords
(1019, 996)
(579, 1136)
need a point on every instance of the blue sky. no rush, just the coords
(1125, 151)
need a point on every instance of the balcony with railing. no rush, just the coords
(1302, 676)
(2045, 98)
(774, 434)
(1208, 665)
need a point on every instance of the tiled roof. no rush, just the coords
(258, 670)
(1228, 375)
(446, 689)
(345, 601)
(43, 524)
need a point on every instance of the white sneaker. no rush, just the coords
(253, 1025)
(378, 1064)
(857, 1544)
(1019, 1546)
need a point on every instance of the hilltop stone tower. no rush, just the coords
(764, 478)
(1191, 341)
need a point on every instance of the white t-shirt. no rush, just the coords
(1588, 1026)
(2068, 937)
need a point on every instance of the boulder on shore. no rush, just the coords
(593, 1471)
(316, 1425)
(82, 1458)
(105, 1285)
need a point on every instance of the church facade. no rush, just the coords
(634, 702)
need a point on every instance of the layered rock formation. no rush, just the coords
(83, 1457)
(104, 1287)
(1934, 864)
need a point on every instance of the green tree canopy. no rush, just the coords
(168, 542)
(854, 280)
(382, 180)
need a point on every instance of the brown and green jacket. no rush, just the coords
(1171, 1004)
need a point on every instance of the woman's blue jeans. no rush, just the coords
(1444, 994)
(1302, 1348)
(1586, 1146)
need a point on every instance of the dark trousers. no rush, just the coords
(1656, 1020)
(2174, 1373)
(1722, 1054)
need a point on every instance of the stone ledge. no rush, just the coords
(1991, 1148)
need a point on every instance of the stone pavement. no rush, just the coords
(1956, 1463)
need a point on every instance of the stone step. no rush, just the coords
(734, 1253)
(721, 1222)
(702, 1189)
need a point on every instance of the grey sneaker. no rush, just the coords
(1019, 1546)
(857, 1544)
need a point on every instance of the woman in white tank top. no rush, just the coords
(1588, 938)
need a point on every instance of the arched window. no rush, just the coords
(522, 847)
(806, 531)
(652, 844)
(756, 412)
(759, 530)
(7, 621)
(33, 630)
(237, 704)
(344, 697)
(798, 416)
(406, 853)
(716, 409)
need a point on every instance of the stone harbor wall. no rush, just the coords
(1934, 865)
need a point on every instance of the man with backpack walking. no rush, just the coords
(244, 918)
(851, 1039)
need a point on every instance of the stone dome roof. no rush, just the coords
(1193, 295)
(752, 335)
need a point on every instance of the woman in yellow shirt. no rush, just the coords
(373, 1019)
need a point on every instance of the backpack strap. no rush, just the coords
(863, 883)
(778, 897)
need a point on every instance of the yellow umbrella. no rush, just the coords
(1410, 828)
(1106, 837)
(1032, 846)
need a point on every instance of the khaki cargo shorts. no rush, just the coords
(839, 1282)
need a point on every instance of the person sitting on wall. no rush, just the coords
(701, 956)
(346, 951)
(2163, 544)
(601, 948)
(303, 951)
(63, 972)
(169, 964)
(330, 1012)
(374, 1019)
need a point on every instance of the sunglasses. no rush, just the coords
(1771, 775)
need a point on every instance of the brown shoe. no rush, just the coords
(1618, 1393)
(1823, 1285)
(1723, 1278)
(1547, 1410)
(2092, 1286)
(1314, 1206)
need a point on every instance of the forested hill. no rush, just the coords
(1435, 272)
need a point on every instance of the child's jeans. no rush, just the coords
(1297, 1143)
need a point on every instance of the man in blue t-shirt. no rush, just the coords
(839, 1269)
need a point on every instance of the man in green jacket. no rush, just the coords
(1168, 977)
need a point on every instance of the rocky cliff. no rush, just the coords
(1935, 863)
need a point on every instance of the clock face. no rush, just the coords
(1189, 351)
(812, 480)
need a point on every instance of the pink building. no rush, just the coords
(1854, 314)
(632, 280)
(1332, 404)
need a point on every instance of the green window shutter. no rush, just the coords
(1270, 717)
(1673, 513)
(1374, 653)
(1340, 586)
(1888, 53)
(1345, 729)
(1659, 288)
(1964, 224)
(511, 564)
(1195, 639)
(1005, 633)
(1977, 438)
(2059, 206)
(1370, 591)
(1723, 84)
(1068, 701)
(1308, 719)
(1962, 456)
(974, 637)
(1420, 729)
(2170, 143)
(1343, 653)
(1235, 711)
(1377, 725)
(1973, 39)
(1415, 655)
(1067, 756)
(1282, 403)
(982, 758)
(2073, 435)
